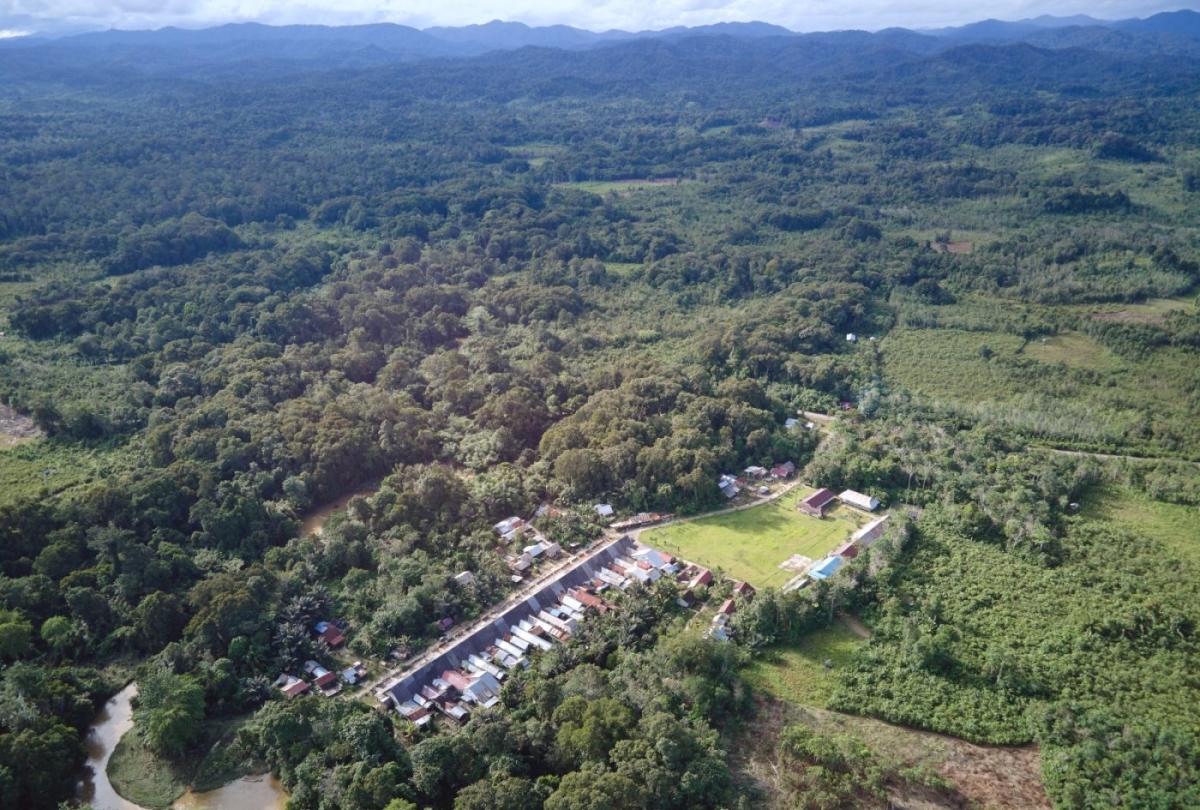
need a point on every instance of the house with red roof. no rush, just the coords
(816, 503)
(330, 634)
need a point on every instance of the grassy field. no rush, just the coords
(144, 778)
(621, 186)
(141, 777)
(949, 362)
(46, 466)
(1074, 350)
(52, 467)
(1067, 389)
(1152, 311)
(750, 544)
(1176, 526)
(797, 673)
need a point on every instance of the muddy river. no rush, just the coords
(315, 520)
(247, 793)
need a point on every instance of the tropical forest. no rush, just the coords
(713, 418)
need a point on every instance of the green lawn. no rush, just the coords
(797, 673)
(750, 544)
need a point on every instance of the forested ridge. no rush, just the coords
(233, 293)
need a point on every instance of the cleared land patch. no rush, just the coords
(140, 776)
(750, 544)
(16, 428)
(143, 777)
(797, 673)
(1069, 390)
(622, 269)
(1154, 311)
(1176, 526)
(52, 466)
(988, 777)
(623, 187)
(951, 362)
(1074, 350)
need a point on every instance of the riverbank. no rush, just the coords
(123, 775)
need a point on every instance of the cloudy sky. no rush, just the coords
(800, 15)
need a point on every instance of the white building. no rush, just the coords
(859, 501)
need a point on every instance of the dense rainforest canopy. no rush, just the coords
(233, 292)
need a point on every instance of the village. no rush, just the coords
(465, 671)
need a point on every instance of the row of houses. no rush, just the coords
(480, 667)
(476, 680)
(816, 503)
(502, 640)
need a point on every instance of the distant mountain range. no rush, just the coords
(305, 47)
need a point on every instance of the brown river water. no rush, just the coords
(315, 520)
(116, 718)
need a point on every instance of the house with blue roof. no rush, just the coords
(826, 567)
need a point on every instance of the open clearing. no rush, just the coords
(797, 673)
(1074, 350)
(143, 777)
(1154, 311)
(622, 186)
(750, 544)
(1175, 525)
(16, 428)
(52, 466)
(979, 776)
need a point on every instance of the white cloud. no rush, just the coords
(802, 15)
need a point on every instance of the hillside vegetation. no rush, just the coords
(235, 290)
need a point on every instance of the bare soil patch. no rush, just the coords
(797, 562)
(957, 248)
(16, 428)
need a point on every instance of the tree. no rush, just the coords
(498, 793)
(443, 764)
(15, 635)
(158, 620)
(594, 788)
(169, 712)
(587, 730)
(59, 633)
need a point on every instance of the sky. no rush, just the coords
(58, 16)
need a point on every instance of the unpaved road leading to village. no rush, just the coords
(1114, 456)
(635, 534)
